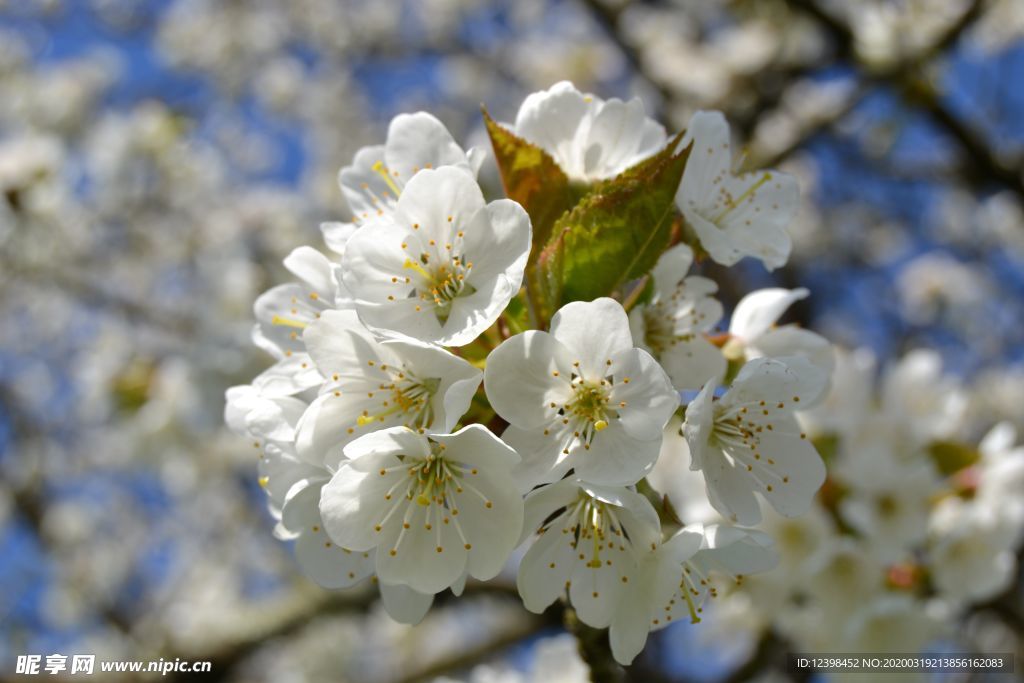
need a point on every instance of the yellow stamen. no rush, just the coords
(733, 203)
(288, 322)
(412, 265)
(600, 425)
(382, 170)
(424, 497)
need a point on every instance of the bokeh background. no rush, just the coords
(158, 158)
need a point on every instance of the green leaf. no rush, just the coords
(952, 456)
(827, 446)
(616, 233)
(531, 177)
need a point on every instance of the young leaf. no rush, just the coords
(531, 177)
(616, 233)
(952, 456)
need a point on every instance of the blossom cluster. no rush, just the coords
(917, 524)
(424, 417)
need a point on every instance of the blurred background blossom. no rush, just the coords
(158, 158)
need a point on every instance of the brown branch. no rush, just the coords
(607, 18)
(478, 654)
(909, 81)
(594, 649)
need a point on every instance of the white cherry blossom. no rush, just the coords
(293, 487)
(753, 332)
(373, 384)
(249, 412)
(841, 576)
(672, 477)
(442, 266)
(674, 579)
(920, 402)
(889, 500)
(282, 312)
(589, 138)
(333, 566)
(581, 397)
(375, 179)
(588, 541)
(749, 441)
(1000, 474)
(434, 506)
(734, 215)
(971, 550)
(672, 325)
(321, 559)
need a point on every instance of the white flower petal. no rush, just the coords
(330, 565)
(791, 380)
(417, 141)
(546, 566)
(616, 457)
(758, 311)
(434, 196)
(793, 470)
(282, 312)
(649, 397)
(738, 552)
(353, 503)
(338, 342)
(593, 332)
(336, 235)
(551, 118)
(289, 376)
(595, 591)
(365, 190)
(390, 441)
(710, 157)
(323, 430)
(542, 502)
(499, 238)
(411, 556)
(613, 138)
(692, 363)
(313, 269)
(403, 604)
(543, 461)
(734, 216)
(730, 490)
(671, 269)
(791, 340)
(698, 425)
(521, 382)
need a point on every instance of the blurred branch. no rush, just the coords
(594, 649)
(88, 293)
(30, 506)
(288, 618)
(911, 84)
(607, 17)
(478, 654)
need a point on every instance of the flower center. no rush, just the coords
(435, 484)
(659, 330)
(731, 203)
(595, 527)
(406, 396)
(440, 285)
(590, 404)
